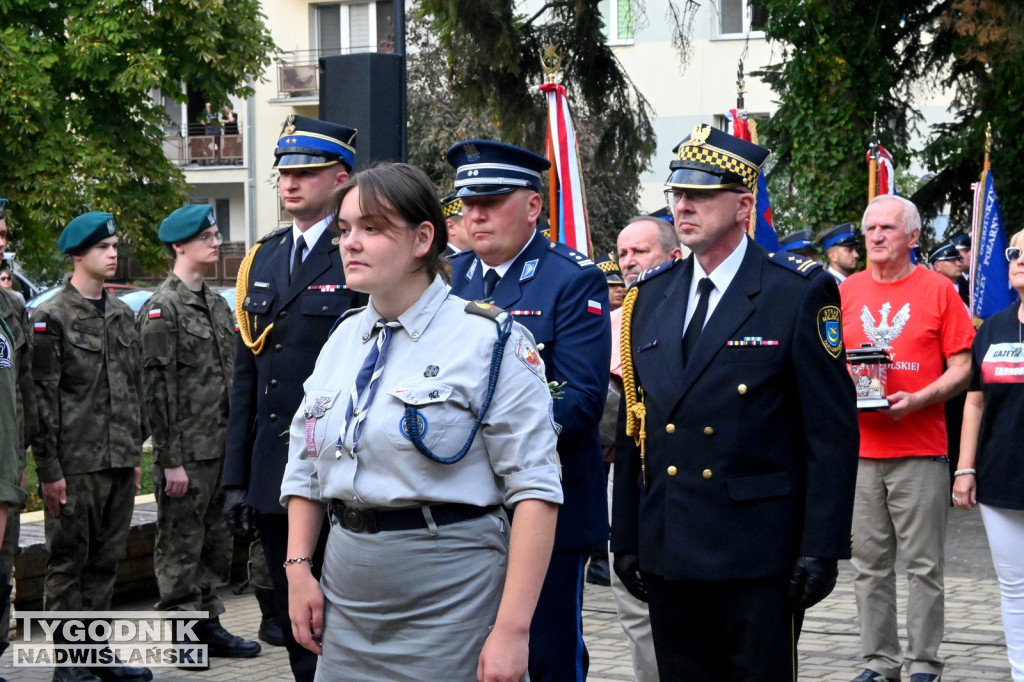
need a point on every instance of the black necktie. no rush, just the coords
(490, 281)
(693, 331)
(300, 246)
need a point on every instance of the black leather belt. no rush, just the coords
(378, 520)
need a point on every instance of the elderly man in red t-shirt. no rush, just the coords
(902, 479)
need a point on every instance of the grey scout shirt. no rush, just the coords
(439, 361)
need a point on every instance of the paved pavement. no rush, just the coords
(829, 651)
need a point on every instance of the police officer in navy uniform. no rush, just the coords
(291, 290)
(840, 247)
(800, 242)
(562, 298)
(731, 514)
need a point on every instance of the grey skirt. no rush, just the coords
(411, 605)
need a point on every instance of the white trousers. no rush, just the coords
(1005, 530)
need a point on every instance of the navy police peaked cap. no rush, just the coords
(484, 167)
(85, 230)
(610, 268)
(797, 242)
(844, 234)
(663, 214)
(947, 251)
(709, 158)
(185, 223)
(310, 143)
(961, 241)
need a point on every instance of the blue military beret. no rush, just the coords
(844, 234)
(311, 143)
(185, 223)
(709, 158)
(797, 242)
(3, 209)
(86, 230)
(484, 167)
(947, 251)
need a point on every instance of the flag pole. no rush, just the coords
(988, 146)
(550, 62)
(873, 160)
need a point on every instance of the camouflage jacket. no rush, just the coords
(87, 368)
(10, 494)
(188, 350)
(12, 311)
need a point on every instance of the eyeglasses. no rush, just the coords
(207, 236)
(1012, 254)
(5, 278)
(674, 194)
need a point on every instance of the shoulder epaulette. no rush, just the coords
(273, 233)
(491, 312)
(570, 254)
(794, 262)
(659, 269)
(461, 254)
(344, 316)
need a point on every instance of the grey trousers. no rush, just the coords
(900, 503)
(411, 604)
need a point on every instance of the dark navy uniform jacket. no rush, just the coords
(268, 387)
(752, 447)
(562, 298)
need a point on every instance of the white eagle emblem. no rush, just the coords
(883, 333)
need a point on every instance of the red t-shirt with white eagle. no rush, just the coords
(921, 321)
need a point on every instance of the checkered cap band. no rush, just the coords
(719, 159)
(452, 208)
(608, 267)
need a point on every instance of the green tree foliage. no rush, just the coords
(985, 39)
(843, 62)
(79, 128)
(489, 64)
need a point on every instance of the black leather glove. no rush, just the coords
(812, 580)
(239, 515)
(627, 567)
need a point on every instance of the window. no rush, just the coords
(348, 27)
(618, 20)
(739, 17)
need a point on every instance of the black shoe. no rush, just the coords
(870, 675)
(598, 574)
(73, 675)
(270, 632)
(222, 643)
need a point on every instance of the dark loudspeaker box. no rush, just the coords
(364, 91)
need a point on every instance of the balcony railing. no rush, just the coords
(199, 148)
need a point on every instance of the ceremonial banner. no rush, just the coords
(990, 281)
(571, 211)
(760, 226)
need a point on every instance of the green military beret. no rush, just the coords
(86, 230)
(185, 223)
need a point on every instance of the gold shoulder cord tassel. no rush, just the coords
(241, 316)
(636, 411)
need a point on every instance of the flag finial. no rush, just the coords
(550, 62)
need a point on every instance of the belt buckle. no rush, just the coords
(359, 520)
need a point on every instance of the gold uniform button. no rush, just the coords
(708, 431)
(706, 473)
(670, 428)
(672, 471)
(742, 389)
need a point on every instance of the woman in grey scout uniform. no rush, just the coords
(413, 455)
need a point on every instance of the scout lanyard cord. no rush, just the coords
(411, 420)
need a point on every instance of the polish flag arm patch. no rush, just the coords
(39, 327)
(593, 307)
(155, 314)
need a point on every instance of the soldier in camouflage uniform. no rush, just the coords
(87, 366)
(12, 311)
(188, 345)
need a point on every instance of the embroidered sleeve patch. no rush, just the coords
(155, 313)
(39, 327)
(830, 329)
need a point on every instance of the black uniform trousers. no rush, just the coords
(274, 536)
(722, 631)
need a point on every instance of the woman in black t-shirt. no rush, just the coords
(991, 472)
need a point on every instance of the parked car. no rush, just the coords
(119, 290)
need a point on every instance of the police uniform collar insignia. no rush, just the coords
(289, 124)
(529, 269)
(830, 329)
(431, 371)
(472, 268)
(335, 241)
(699, 135)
